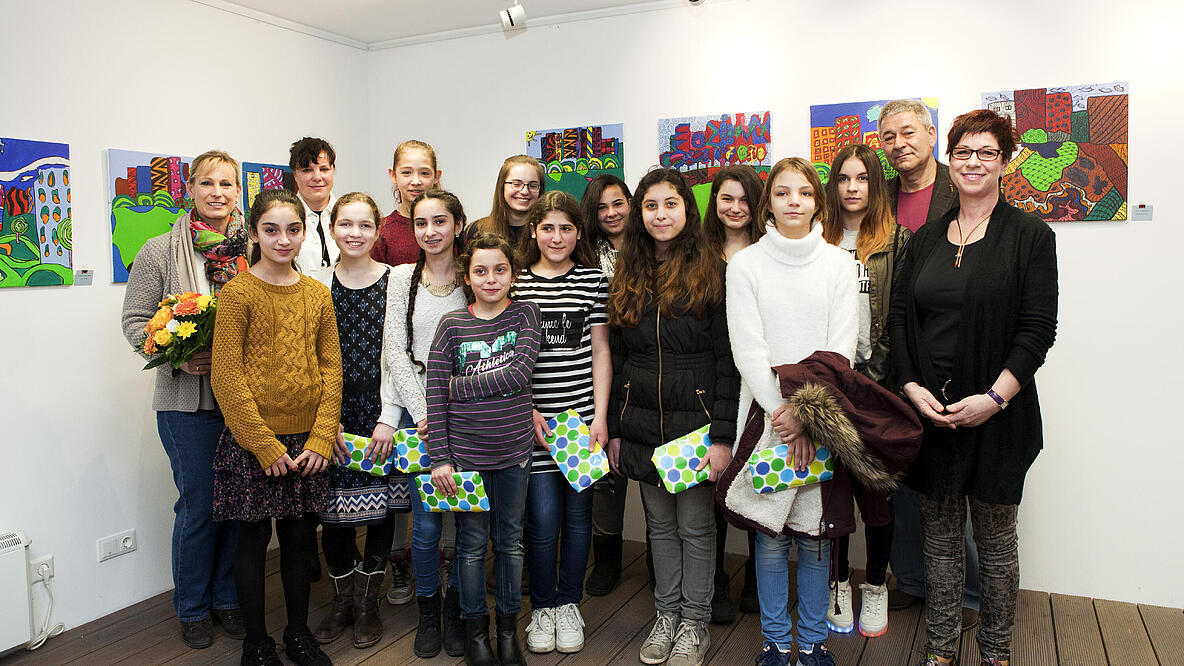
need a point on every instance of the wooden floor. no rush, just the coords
(1049, 630)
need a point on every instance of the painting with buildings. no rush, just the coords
(147, 193)
(572, 156)
(699, 146)
(35, 225)
(836, 126)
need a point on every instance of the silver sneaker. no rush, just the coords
(657, 646)
(690, 644)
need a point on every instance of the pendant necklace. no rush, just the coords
(962, 239)
(438, 290)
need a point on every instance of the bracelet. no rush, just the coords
(998, 399)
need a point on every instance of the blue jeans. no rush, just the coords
(554, 507)
(203, 550)
(506, 489)
(427, 527)
(772, 584)
(907, 540)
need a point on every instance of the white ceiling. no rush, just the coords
(371, 22)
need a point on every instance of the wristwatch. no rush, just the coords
(998, 399)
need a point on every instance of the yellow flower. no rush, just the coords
(203, 302)
(186, 329)
(163, 337)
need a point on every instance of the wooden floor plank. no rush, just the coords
(1123, 634)
(1033, 642)
(893, 648)
(1165, 627)
(1078, 638)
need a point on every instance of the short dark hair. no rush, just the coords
(308, 150)
(984, 120)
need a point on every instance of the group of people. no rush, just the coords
(896, 324)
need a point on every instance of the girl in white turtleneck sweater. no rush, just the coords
(789, 295)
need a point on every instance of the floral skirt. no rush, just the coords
(242, 491)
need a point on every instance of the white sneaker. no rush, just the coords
(569, 628)
(844, 620)
(873, 616)
(540, 633)
(656, 648)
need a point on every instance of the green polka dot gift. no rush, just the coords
(470, 493)
(357, 456)
(773, 470)
(676, 461)
(412, 452)
(570, 444)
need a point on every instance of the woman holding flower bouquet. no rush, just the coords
(205, 248)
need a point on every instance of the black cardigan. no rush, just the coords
(1009, 320)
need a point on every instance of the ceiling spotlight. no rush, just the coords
(513, 17)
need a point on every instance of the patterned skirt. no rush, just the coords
(361, 498)
(242, 491)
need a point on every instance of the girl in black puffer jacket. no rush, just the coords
(672, 374)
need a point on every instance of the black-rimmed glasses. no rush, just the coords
(984, 154)
(519, 184)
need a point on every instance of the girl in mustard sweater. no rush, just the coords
(277, 377)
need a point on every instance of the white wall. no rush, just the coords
(1086, 527)
(82, 457)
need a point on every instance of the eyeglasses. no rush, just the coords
(984, 154)
(531, 186)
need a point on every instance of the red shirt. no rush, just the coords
(912, 208)
(396, 241)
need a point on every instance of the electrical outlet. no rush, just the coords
(116, 545)
(36, 565)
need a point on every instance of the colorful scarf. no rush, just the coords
(224, 253)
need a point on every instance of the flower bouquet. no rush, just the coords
(183, 326)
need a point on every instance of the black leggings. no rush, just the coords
(250, 561)
(879, 545)
(339, 544)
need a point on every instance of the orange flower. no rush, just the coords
(159, 319)
(185, 307)
(149, 345)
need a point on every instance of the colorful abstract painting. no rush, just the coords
(836, 126)
(35, 229)
(147, 195)
(699, 146)
(573, 156)
(1072, 163)
(258, 177)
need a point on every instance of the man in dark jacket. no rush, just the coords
(922, 190)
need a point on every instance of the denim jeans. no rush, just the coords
(608, 504)
(907, 541)
(772, 584)
(203, 550)
(427, 530)
(681, 528)
(506, 489)
(558, 536)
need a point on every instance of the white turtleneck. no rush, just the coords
(787, 299)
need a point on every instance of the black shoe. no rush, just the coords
(428, 636)
(263, 654)
(509, 651)
(722, 610)
(606, 565)
(749, 601)
(198, 635)
(477, 650)
(900, 600)
(302, 648)
(454, 628)
(232, 623)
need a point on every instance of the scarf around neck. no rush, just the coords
(224, 253)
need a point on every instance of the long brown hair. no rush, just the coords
(555, 202)
(498, 221)
(875, 229)
(750, 182)
(689, 277)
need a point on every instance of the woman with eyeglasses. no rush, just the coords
(973, 314)
(519, 184)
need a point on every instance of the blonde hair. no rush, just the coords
(209, 161)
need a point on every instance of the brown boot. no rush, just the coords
(341, 614)
(367, 626)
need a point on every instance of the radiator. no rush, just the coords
(16, 593)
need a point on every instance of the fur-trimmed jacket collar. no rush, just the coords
(871, 444)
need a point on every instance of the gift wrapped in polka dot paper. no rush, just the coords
(470, 493)
(412, 452)
(772, 470)
(676, 461)
(571, 447)
(357, 456)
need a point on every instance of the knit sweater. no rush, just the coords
(277, 364)
(396, 241)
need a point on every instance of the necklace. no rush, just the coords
(439, 290)
(962, 239)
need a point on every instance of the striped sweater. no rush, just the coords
(479, 388)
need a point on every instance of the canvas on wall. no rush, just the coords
(573, 156)
(836, 126)
(1072, 162)
(699, 146)
(35, 226)
(258, 177)
(147, 195)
